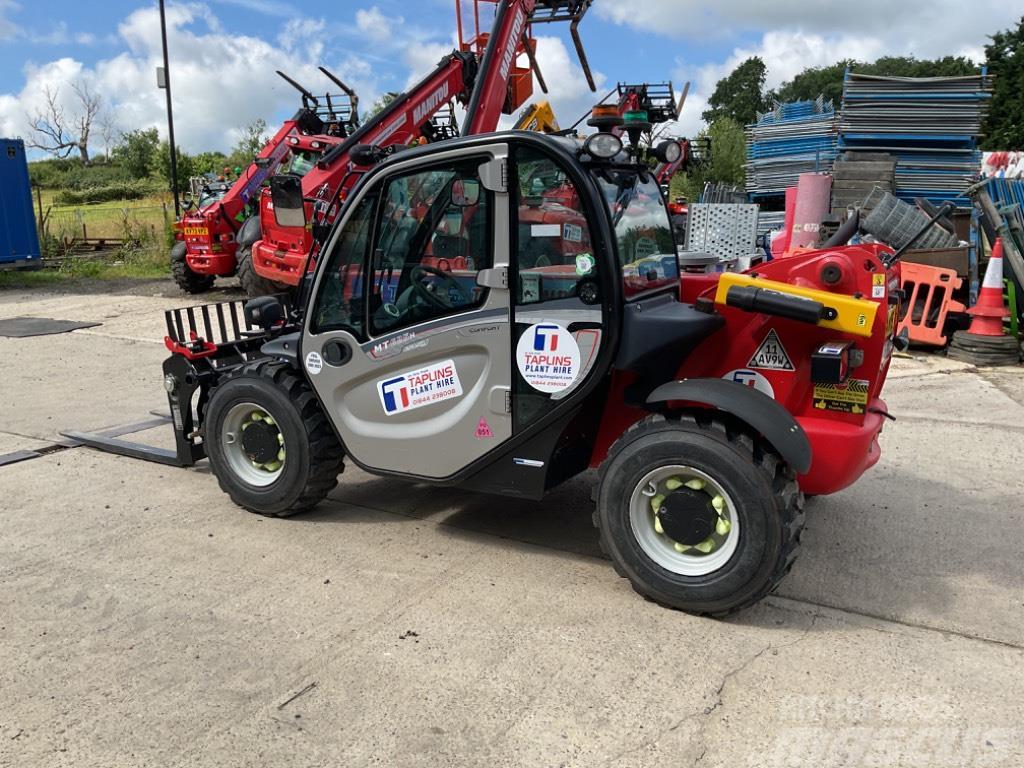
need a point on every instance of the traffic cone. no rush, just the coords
(985, 343)
(989, 313)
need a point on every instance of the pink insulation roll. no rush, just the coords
(781, 244)
(813, 194)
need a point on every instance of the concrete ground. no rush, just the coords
(146, 621)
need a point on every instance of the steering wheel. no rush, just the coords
(438, 298)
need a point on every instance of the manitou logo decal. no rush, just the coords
(430, 104)
(513, 43)
(548, 358)
(415, 389)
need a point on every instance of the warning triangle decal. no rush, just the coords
(771, 355)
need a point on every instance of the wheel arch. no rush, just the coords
(750, 406)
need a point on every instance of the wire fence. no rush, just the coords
(101, 227)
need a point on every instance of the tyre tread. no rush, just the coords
(788, 499)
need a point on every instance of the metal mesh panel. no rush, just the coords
(725, 230)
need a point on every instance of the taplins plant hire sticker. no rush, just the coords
(314, 363)
(548, 357)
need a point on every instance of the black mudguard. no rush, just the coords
(755, 408)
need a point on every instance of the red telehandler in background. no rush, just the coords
(485, 74)
(207, 236)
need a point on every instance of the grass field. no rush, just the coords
(147, 217)
(144, 221)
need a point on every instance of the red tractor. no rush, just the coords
(485, 74)
(208, 236)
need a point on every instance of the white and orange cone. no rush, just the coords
(989, 313)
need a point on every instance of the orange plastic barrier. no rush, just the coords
(929, 300)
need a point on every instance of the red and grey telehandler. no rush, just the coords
(491, 73)
(207, 236)
(708, 403)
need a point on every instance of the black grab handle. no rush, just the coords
(769, 302)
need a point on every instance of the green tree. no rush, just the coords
(186, 166)
(380, 104)
(728, 152)
(740, 95)
(254, 138)
(827, 81)
(137, 152)
(209, 162)
(1005, 124)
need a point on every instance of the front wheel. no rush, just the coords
(269, 441)
(186, 279)
(252, 282)
(698, 516)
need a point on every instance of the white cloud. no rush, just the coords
(8, 29)
(221, 81)
(924, 28)
(375, 25)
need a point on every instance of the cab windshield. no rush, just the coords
(647, 249)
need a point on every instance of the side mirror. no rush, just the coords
(286, 194)
(263, 162)
(465, 193)
(264, 312)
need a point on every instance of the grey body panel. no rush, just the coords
(440, 438)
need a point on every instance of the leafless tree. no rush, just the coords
(108, 130)
(59, 134)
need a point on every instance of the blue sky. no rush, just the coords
(224, 52)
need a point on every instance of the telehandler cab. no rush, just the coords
(708, 403)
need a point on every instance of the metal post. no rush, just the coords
(170, 115)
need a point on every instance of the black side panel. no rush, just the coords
(658, 333)
(750, 406)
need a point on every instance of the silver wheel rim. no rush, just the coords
(659, 547)
(238, 418)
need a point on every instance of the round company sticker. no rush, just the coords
(548, 357)
(749, 378)
(584, 264)
(314, 363)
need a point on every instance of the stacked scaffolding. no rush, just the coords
(794, 138)
(930, 125)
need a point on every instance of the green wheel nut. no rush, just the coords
(657, 501)
(696, 484)
(706, 546)
(673, 483)
(723, 526)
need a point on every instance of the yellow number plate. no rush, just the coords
(199, 231)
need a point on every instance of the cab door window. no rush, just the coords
(434, 235)
(340, 305)
(558, 313)
(555, 257)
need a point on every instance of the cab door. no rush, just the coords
(407, 344)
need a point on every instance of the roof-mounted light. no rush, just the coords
(603, 146)
(668, 151)
(605, 117)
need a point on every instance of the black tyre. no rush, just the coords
(697, 516)
(269, 442)
(187, 280)
(252, 283)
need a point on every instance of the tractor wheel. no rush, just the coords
(697, 516)
(252, 283)
(187, 280)
(269, 441)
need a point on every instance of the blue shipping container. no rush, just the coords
(19, 241)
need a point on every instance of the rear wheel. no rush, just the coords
(253, 284)
(269, 442)
(186, 279)
(697, 516)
